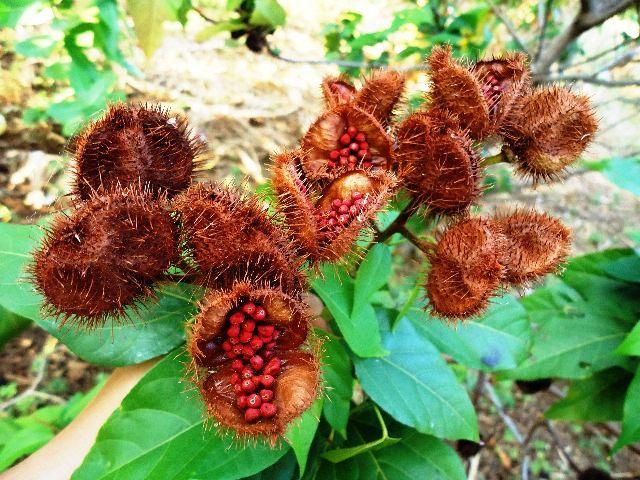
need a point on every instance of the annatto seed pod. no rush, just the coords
(482, 95)
(232, 237)
(345, 138)
(248, 363)
(325, 224)
(135, 145)
(551, 129)
(536, 244)
(104, 255)
(465, 271)
(438, 161)
(379, 95)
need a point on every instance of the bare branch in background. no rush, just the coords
(589, 79)
(600, 54)
(509, 26)
(544, 8)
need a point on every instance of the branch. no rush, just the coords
(543, 29)
(588, 16)
(510, 28)
(599, 54)
(590, 79)
(398, 224)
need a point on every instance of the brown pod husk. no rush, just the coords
(438, 161)
(465, 269)
(551, 129)
(536, 245)
(467, 92)
(380, 93)
(135, 145)
(337, 91)
(104, 255)
(306, 210)
(323, 137)
(231, 237)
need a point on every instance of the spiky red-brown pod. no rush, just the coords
(536, 244)
(248, 363)
(481, 95)
(326, 223)
(230, 236)
(135, 145)
(345, 138)
(551, 129)
(465, 269)
(104, 255)
(439, 162)
(378, 96)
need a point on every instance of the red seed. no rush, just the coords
(334, 154)
(235, 378)
(272, 367)
(237, 318)
(247, 351)
(344, 152)
(249, 308)
(276, 334)
(254, 400)
(268, 380)
(353, 146)
(336, 203)
(241, 401)
(257, 380)
(352, 131)
(362, 153)
(248, 386)
(361, 137)
(237, 350)
(249, 325)
(230, 355)
(237, 389)
(266, 395)
(256, 343)
(268, 410)
(270, 345)
(343, 209)
(226, 346)
(247, 372)
(233, 331)
(333, 222)
(234, 340)
(345, 139)
(344, 160)
(266, 330)
(353, 210)
(364, 146)
(260, 314)
(252, 415)
(353, 159)
(356, 195)
(332, 164)
(237, 365)
(257, 362)
(245, 337)
(343, 219)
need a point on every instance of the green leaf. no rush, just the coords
(372, 275)
(159, 433)
(499, 340)
(631, 343)
(338, 382)
(624, 172)
(148, 18)
(268, 13)
(11, 325)
(301, 432)
(39, 46)
(212, 30)
(153, 330)
(336, 290)
(416, 386)
(24, 442)
(631, 415)
(595, 399)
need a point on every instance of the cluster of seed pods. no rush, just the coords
(352, 151)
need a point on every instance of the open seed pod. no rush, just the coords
(231, 237)
(378, 96)
(135, 145)
(465, 271)
(536, 244)
(345, 138)
(551, 129)
(325, 224)
(248, 363)
(480, 96)
(104, 255)
(438, 161)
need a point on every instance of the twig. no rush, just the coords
(474, 467)
(588, 79)
(598, 55)
(561, 448)
(510, 28)
(477, 389)
(420, 244)
(399, 222)
(511, 425)
(546, 10)
(204, 16)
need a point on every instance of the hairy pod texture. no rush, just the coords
(326, 222)
(481, 96)
(231, 237)
(252, 365)
(135, 145)
(551, 129)
(104, 255)
(439, 163)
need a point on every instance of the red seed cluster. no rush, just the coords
(352, 150)
(492, 89)
(343, 211)
(249, 340)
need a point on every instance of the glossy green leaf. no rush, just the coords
(499, 340)
(338, 382)
(416, 386)
(336, 289)
(153, 330)
(631, 415)
(268, 13)
(301, 432)
(595, 399)
(159, 433)
(631, 343)
(372, 275)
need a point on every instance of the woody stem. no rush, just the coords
(399, 223)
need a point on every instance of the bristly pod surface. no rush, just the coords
(465, 269)
(139, 145)
(104, 255)
(552, 128)
(251, 360)
(480, 96)
(325, 223)
(536, 244)
(345, 138)
(230, 236)
(439, 163)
